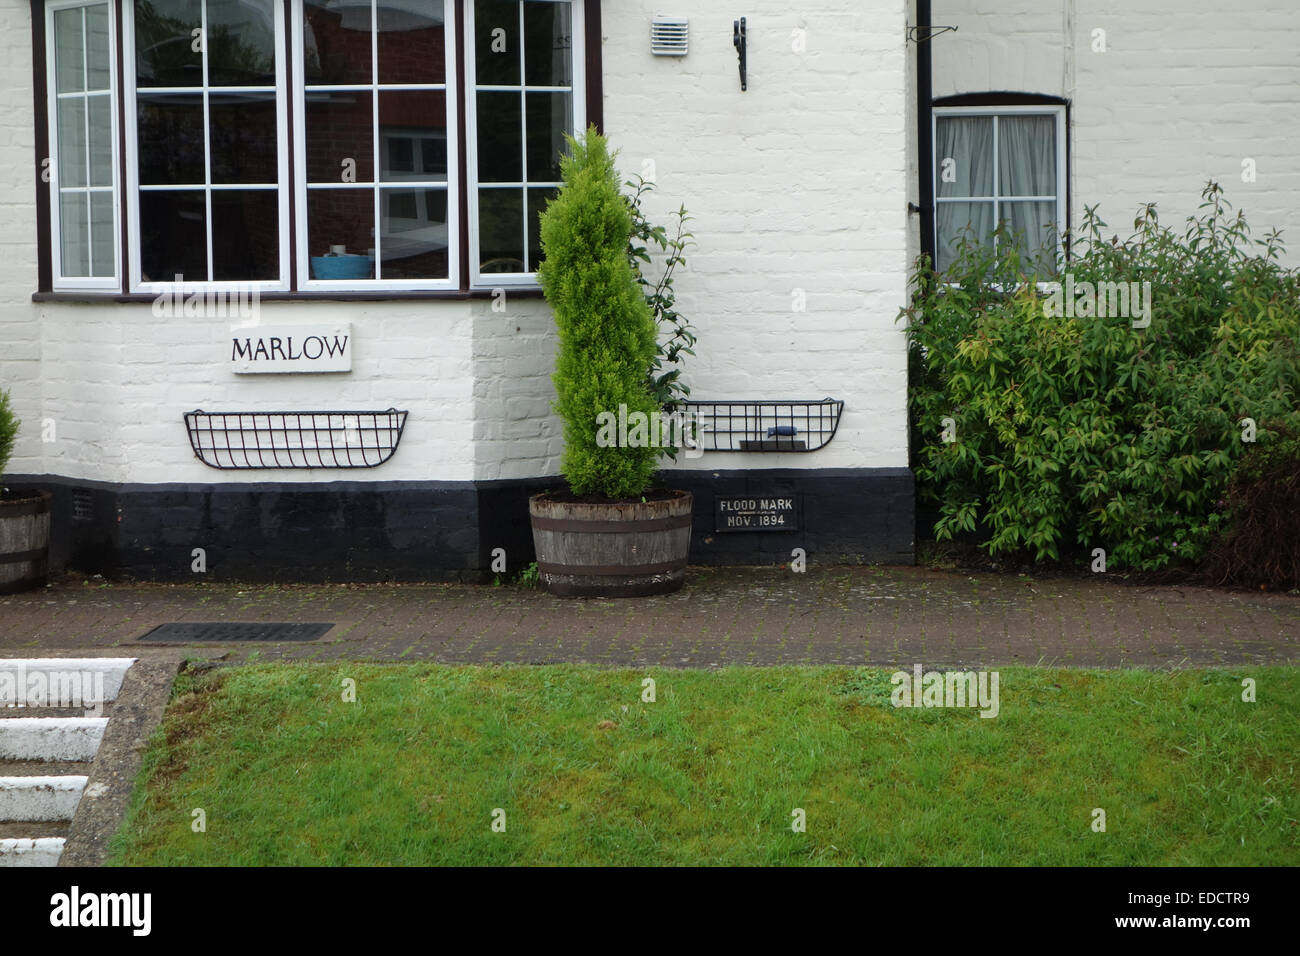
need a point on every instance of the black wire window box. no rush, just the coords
(237, 440)
(766, 426)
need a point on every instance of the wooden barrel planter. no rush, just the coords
(611, 550)
(24, 542)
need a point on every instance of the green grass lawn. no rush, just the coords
(586, 773)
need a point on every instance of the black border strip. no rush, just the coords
(593, 68)
(44, 260)
(924, 139)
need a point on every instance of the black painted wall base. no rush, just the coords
(435, 530)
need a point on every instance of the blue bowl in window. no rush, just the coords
(342, 267)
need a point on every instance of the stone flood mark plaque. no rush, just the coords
(760, 512)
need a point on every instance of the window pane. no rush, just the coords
(413, 156)
(339, 128)
(243, 136)
(336, 42)
(165, 53)
(537, 199)
(500, 132)
(341, 217)
(496, 42)
(83, 142)
(69, 62)
(72, 142)
(550, 116)
(414, 240)
(74, 235)
(241, 43)
(1027, 155)
(413, 121)
(433, 157)
(963, 155)
(501, 230)
(245, 234)
(972, 221)
(103, 236)
(170, 137)
(101, 140)
(410, 41)
(548, 44)
(97, 55)
(1034, 225)
(397, 155)
(173, 236)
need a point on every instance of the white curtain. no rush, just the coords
(963, 155)
(964, 171)
(1027, 167)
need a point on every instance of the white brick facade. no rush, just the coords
(798, 184)
(799, 190)
(1183, 93)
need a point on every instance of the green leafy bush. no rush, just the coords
(676, 335)
(606, 329)
(1084, 432)
(8, 431)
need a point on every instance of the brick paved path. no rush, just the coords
(863, 615)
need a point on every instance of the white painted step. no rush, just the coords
(64, 681)
(51, 738)
(27, 687)
(44, 851)
(26, 799)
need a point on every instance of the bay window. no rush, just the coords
(315, 146)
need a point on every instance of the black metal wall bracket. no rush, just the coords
(914, 33)
(738, 39)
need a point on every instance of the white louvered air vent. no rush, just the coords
(668, 36)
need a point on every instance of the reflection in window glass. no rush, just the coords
(362, 136)
(523, 109)
(208, 140)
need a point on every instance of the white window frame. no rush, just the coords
(448, 87)
(578, 91)
(59, 281)
(1046, 109)
(280, 284)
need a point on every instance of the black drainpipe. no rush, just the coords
(924, 141)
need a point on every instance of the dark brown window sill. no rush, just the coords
(440, 295)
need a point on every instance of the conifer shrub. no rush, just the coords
(8, 431)
(607, 333)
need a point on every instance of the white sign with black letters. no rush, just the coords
(291, 348)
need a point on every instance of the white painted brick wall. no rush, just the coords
(1184, 92)
(798, 183)
(20, 329)
(801, 182)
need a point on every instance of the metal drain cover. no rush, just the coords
(229, 631)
